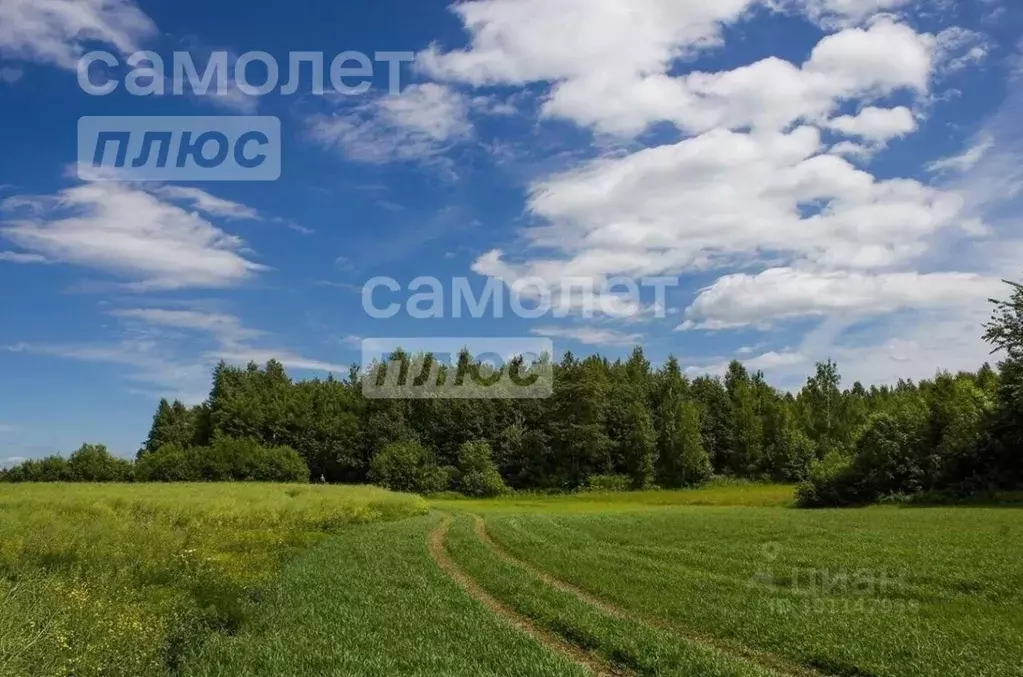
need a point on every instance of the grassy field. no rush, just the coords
(881, 591)
(728, 581)
(373, 602)
(721, 493)
(124, 580)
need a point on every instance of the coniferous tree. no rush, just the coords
(579, 438)
(172, 424)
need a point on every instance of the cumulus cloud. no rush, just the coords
(57, 32)
(741, 300)
(592, 336)
(523, 41)
(615, 75)
(421, 122)
(126, 231)
(876, 125)
(751, 185)
(724, 198)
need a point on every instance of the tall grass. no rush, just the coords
(719, 492)
(125, 579)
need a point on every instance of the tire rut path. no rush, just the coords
(593, 664)
(782, 667)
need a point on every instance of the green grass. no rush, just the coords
(285, 580)
(126, 579)
(624, 642)
(719, 493)
(883, 592)
(372, 602)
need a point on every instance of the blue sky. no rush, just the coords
(824, 178)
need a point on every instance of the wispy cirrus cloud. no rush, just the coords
(419, 124)
(56, 32)
(170, 352)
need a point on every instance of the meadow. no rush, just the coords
(727, 580)
(127, 579)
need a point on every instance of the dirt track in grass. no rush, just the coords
(772, 662)
(594, 664)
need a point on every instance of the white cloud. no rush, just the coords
(18, 257)
(232, 338)
(232, 99)
(752, 186)
(959, 48)
(856, 152)
(421, 122)
(291, 225)
(907, 346)
(968, 159)
(594, 336)
(229, 98)
(741, 300)
(770, 362)
(227, 329)
(612, 71)
(150, 362)
(203, 201)
(170, 352)
(876, 125)
(844, 13)
(126, 231)
(285, 357)
(522, 41)
(768, 94)
(58, 32)
(723, 198)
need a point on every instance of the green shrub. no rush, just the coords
(169, 463)
(482, 484)
(437, 479)
(828, 484)
(479, 475)
(226, 460)
(890, 459)
(410, 467)
(49, 469)
(93, 463)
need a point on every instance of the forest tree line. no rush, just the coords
(611, 424)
